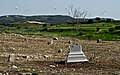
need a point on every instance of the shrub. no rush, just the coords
(44, 29)
(90, 37)
(44, 25)
(109, 20)
(18, 27)
(97, 29)
(111, 29)
(90, 21)
(80, 33)
(117, 27)
(26, 27)
(35, 74)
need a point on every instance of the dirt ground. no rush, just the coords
(33, 54)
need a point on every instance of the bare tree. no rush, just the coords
(76, 13)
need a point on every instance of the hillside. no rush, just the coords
(53, 19)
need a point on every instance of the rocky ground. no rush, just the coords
(42, 55)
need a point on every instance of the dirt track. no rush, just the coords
(33, 54)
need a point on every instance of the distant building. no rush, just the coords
(35, 22)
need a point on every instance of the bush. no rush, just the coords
(80, 33)
(111, 29)
(26, 27)
(90, 37)
(44, 29)
(117, 27)
(18, 27)
(90, 21)
(97, 29)
(35, 74)
(109, 20)
(44, 25)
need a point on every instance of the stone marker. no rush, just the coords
(11, 58)
(76, 54)
(99, 40)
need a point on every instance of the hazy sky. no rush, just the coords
(103, 8)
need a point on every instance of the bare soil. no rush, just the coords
(33, 54)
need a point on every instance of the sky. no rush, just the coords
(94, 8)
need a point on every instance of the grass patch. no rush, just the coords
(82, 31)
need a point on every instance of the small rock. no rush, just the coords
(25, 57)
(41, 71)
(73, 69)
(12, 48)
(55, 38)
(59, 51)
(7, 73)
(17, 58)
(36, 57)
(52, 66)
(21, 36)
(69, 42)
(15, 67)
(33, 69)
(0, 73)
(48, 52)
(99, 40)
(45, 56)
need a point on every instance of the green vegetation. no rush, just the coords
(104, 31)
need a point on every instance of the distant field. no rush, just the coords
(104, 31)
